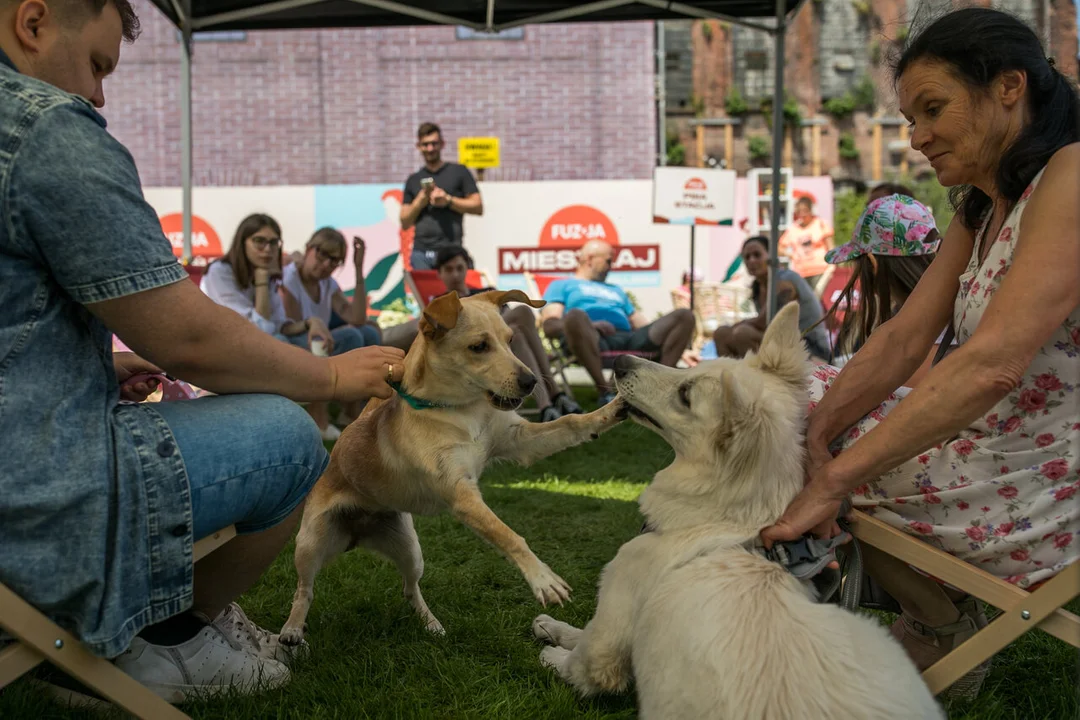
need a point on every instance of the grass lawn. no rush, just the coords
(372, 658)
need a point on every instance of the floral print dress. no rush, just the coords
(1004, 494)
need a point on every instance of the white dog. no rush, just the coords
(704, 625)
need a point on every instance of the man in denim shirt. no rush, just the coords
(101, 500)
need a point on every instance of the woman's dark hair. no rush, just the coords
(886, 189)
(979, 44)
(764, 242)
(879, 293)
(236, 258)
(449, 253)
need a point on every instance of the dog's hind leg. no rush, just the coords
(394, 536)
(324, 534)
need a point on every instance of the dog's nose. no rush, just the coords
(526, 382)
(623, 364)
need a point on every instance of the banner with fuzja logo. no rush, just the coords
(693, 196)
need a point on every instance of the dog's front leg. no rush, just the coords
(597, 659)
(526, 442)
(468, 506)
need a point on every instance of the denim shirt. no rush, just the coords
(95, 510)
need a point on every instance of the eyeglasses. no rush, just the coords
(334, 260)
(262, 243)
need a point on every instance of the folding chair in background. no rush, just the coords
(425, 285)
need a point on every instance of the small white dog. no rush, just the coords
(704, 625)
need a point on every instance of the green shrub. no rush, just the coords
(848, 151)
(759, 147)
(735, 104)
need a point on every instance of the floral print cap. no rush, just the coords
(892, 225)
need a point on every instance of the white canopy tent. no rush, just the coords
(768, 16)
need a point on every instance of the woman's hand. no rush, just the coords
(128, 365)
(317, 330)
(813, 510)
(358, 249)
(361, 374)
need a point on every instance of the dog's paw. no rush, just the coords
(544, 628)
(548, 587)
(554, 657)
(291, 636)
(434, 627)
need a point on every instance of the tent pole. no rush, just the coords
(185, 125)
(778, 149)
(661, 95)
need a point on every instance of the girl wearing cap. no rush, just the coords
(894, 242)
(982, 458)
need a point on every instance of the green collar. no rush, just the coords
(414, 402)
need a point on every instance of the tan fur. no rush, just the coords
(705, 627)
(395, 461)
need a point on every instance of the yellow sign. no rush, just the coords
(478, 152)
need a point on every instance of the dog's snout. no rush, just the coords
(623, 365)
(526, 381)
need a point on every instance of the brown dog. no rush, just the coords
(398, 459)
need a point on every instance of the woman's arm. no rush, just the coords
(355, 312)
(895, 350)
(1033, 301)
(785, 293)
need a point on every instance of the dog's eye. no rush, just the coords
(684, 395)
(479, 347)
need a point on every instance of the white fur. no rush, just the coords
(706, 628)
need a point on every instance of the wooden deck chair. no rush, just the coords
(1021, 610)
(38, 639)
(425, 285)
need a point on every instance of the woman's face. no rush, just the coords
(262, 247)
(453, 275)
(804, 213)
(321, 262)
(962, 133)
(756, 259)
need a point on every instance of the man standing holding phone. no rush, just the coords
(436, 198)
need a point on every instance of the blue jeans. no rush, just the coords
(250, 459)
(346, 338)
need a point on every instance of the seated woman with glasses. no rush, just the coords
(247, 280)
(311, 294)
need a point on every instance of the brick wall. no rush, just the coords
(568, 102)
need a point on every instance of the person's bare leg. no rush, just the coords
(724, 339)
(228, 572)
(921, 597)
(584, 342)
(745, 338)
(401, 336)
(532, 336)
(320, 413)
(672, 333)
(520, 347)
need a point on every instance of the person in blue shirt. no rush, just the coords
(102, 497)
(594, 316)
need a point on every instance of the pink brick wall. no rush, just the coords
(342, 106)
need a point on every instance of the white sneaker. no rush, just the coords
(331, 432)
(235, 624)
(208, 664)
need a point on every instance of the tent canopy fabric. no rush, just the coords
(483, 15)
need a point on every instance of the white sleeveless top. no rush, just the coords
(290, 279)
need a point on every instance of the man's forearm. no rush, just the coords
(410, 213)
(467, 206)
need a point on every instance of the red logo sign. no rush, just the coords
(575, 225)
(204, 239)
(628, 258)
(695, 184)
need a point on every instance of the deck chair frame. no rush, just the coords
(1021, 610)
(39, 639)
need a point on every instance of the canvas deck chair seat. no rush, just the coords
(1021, 610)
(38, 639)
(425, 285)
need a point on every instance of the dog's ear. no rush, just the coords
(733, 406)
(440, 316)
(782, 352)
(501, 297)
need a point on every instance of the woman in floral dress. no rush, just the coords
(982, 459)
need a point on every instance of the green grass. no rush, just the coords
(371, 657)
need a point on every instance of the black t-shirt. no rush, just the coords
(437, 228)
